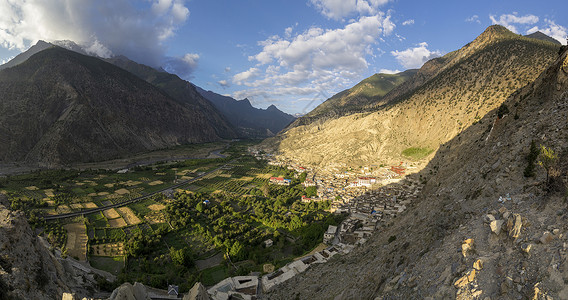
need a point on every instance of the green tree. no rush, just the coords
(199, 207)
(237, 251)
(547, 160)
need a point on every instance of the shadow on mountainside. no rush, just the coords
(465, 181)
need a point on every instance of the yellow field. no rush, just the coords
(156, 182)
(76, 240)
(109, 185)
(63, 209)
(117, 223)
(122, 191)
(225, 175)
(90, 205)
(32, 188)
(246, 178)
(76, 205)
(156, 207)
(111, 214)
(48, 192)
(264, 175)
(103, 193)
(129, 216)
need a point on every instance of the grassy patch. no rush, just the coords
(214, 275)
(416, 153)
(112, 265)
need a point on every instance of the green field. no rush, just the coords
(112, 265)
(416, 153)
(232, 210)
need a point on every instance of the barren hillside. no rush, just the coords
(444, 98)
(480, 229)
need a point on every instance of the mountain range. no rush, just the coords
(475, 181)
(423, 110)
(60, 107)
(104, 112)
(249, 121)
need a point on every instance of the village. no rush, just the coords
(369, 196)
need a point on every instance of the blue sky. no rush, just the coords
(293, 54)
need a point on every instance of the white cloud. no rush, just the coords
(104, 27)
(314, 60)
(339, 9)
(473, 19)
(408, 22)
(553, 30)
(3, 61)
(412, 58)
(182, 66)
(223, 83)
(508, 20)
(246, 75)
(227, 69)
(387, 71)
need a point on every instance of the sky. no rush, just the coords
(291, 53)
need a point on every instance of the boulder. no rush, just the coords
(467, 247)
(488, 218)
(514, 225)
(478, 265)
(496, 226)
(546, 237)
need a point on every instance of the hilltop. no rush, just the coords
(439, 101)
(370, 91)
(450, 243)
(60, 107)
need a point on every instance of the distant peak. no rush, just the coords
(246, 101)
(543, 37)
(42, 43)
(272, 107)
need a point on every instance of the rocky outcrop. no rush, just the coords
(29, 269)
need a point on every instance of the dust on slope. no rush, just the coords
(445, 97)
(465, 181)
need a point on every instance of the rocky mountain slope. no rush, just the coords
(28, 269)
(442, 99)
(180, 90)
(249, 121)
(20, 58)
(59, 107)
(480, 229)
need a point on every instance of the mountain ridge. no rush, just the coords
(61, 107)
(249, 121)
(474, 178)
(414, 113)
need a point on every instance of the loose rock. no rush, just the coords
(496, 226)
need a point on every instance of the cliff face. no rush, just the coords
(480, 227)
(442, 99)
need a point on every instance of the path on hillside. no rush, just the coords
(98, 209)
